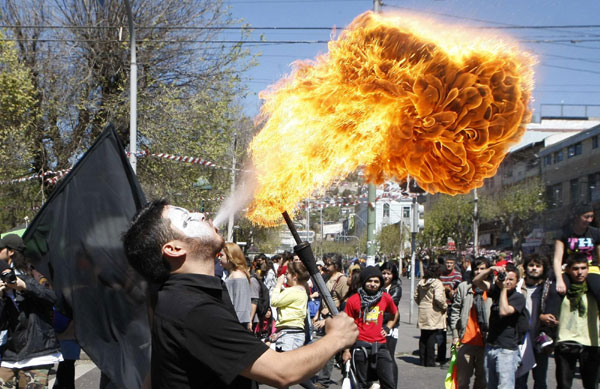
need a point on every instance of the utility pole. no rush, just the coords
(132, 91)
(233, 162)
(414, 227)
(371, 206)
(475, 223)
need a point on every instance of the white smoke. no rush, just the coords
(238, 199)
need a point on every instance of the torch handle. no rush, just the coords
(304, 251)
(292, 227)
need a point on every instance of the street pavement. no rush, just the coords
(411, 375)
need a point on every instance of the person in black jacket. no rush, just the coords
(393, 285)
(26, 311)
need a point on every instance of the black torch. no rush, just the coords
(304, 252)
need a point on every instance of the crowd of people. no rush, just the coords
(223, 320)
(507, 319)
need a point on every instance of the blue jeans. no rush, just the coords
(290, 340)
(500, 366)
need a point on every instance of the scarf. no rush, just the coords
(575, 296)
(479, 303)
(367, 301)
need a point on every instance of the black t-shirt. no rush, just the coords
(580, 243)
(503, 330)
(197, 341)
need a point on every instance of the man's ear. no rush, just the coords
(174, 250)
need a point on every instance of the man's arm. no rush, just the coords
(480, 279)
(559, 250)
(455, 312)
(300, 364)
(505, 308)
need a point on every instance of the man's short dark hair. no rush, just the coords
(450, 258)
(144, 240)
(574, 258)
(478, 261)
(510, 267)
(540, 260)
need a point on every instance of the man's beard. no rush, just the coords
(535, 278)
(208, 247)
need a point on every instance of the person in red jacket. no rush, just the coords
(367, 307)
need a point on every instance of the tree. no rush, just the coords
(17, 100)
(516, 208)
(187, 84)
(449, 217)
(391, 239)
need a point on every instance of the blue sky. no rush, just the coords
(567, 72)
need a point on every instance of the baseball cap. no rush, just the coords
(13, 242)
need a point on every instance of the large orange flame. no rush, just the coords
(399, 96)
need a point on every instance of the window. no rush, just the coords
(554, 195)
(386, 210)
(548, 160)
(595, 142)
(574, 191)
(406, 212)
(558, 156)
(574, 150)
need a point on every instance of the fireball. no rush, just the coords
(400, 96)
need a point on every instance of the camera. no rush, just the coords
(501, 276)
(8, 276)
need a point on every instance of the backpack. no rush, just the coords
(264, 303)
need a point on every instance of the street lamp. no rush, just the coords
(202, 184)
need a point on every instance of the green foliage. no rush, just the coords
(449, 217)
(516, 207)
(17, 101)
(57, 97)
(390, 240)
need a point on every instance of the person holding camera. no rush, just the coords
(26, 312)
(502, 355)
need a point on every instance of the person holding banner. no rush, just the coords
(197, 340)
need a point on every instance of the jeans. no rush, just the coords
(469, 360)
(500, 367)
(391, 341)
(290, 340)
(566, 361)
(383, 369)
(539, 373)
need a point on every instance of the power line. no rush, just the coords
(572, 69)
(501, 26)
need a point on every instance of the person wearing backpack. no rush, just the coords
(506, 330)
(259, 299)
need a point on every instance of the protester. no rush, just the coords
(238, 282)
(430, 297)
(291, 304)
(265, 327)
(469, 318)
(533, 285)
(337, 284)
(504, 334)
(197, 341)
(392, 284)
(26, 311)
(577, 328)
(268, 272)
(578, 236)
(450, 278)
(368, 307)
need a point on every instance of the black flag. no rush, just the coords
(75, 240)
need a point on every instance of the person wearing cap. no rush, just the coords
(26, 312)
(197, 340)
(368, 307)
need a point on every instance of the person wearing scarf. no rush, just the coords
(367, 308)
(577, 328)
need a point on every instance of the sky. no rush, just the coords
(564, 35)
